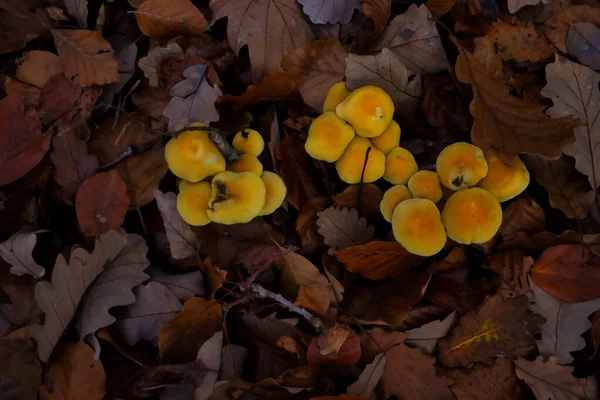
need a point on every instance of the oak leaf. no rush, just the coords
(160, 19)
(183, 286)
(152, 61)
(365, 198)
(557, 27)
(21, 371)
(183, 243)
(37, 67)
(18, 252)
(333, 12)
(519, 41)
(427, 336)
(583, 41)
(522, 215)
(337, 346)
(342, 228)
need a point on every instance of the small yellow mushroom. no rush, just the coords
(247, 163)
(389, 139)
(337, 93)
(350, 165)
(248, 141)
(236, 197)
(391, 198)
(461, 165)
(417, 226)
(504, 181)
(368, 109)
(192, 202)
(426, 185)
(328, 137)
(400, 165)
(275, 194)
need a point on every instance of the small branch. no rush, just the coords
(128, 152)
(217, 137)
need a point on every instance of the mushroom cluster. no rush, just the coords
(212, 190)
(356, 131)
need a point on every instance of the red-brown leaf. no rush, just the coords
(337, 346)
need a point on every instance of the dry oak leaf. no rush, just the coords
(565, 323)
(557, 27)
(378, 260)
(439, 8)
(327, 11)
(573, 89)
(379, 12)
(337, 346)
(548, 380)
(506, 122)
(37, 67)
(152, 61)
(522, 215)
(583, 41)
(342, 228)
(387, 71)
(271, 29)
(86, 57)
(516, 5)
(167, 19)
(415, 38)
(20, 371)
(18, 252)
(101, 203)
(183, 243)
(511, 269)
(427, 336)
(365, 198)
(315, 67)
(74, 375)
(497, 327)
(197, 322)
(568, 272)
(369, 378)
(520, 42)
(107, 275)
(22, 144)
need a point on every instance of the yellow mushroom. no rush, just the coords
(461, 165)
(275, 194)
(426, 185)
(192, 202)
(350, 165)
(337, 93)
(504, 181)
(417, 226)
(391, 198)
(236, 197)
(368, 109)
(247, 163)
(193, 156)
(248, 141)
(472, 216)
(328, 137)
(400, 165)
(389, 139)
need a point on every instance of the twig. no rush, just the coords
(362, 177)
(129, 151)
(266, 265)
(217, 137)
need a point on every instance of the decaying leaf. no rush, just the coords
(343, 228)
(21, 371)
(17, 30)
(557, 27)
(18, 252)
(522, 215)
(142, 173)
(183, 243)
(439, 8)
(516, 5)
(520, 41)
(369, 378)
(152, 61)
(160, 19)
(78, 9)
(337, 346)
(427, 336)
(37, 67)
(583, 41)
(364, 197)
(325, 11)
(379, 12)
(511, 269)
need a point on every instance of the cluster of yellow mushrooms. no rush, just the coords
(356, 131)
(212, 190)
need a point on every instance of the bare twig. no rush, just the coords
(129, 151)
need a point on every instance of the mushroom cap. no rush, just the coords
(328, 137)
(504, 181)
(426, 185)
(192, 202)
(246, 163)
(248, 141)
(389, 139)
(237, 197)
(368, 109)
(193, 156)
(337, 93)
(461, 165)
(350, 165)
(391, 198)
(400, 165)
(275, 194)
(472, 216)
(418, 227)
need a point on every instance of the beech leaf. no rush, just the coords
(342, 228)
(18, 252)
(183, 243)
(583, 41)
(37, 67)
(160, 19)
(142, 173)
(327, 11)
(427, 336)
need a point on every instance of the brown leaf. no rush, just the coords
(159, 19)
(511, 269)
(415, 38)
(522, 215)
(378, 260)
(271, 29)
(324, 11)
(58, 97)
(183, 243)
(441, 104)
(497, 327)
(18, 252)
(29, 93)
(315, 67)
(557, 27)
(582, 42)
(506, 122)
(369, 195)
(516, 5)
(567, 188)
(306, 222)
(568, 272)
(337, 346)
(439, 8)
(369, 377)
(427, 336)
(315, 298)
(519, 41)
(75, 375)
(151, 101)
(342, 228)
(180, 341)
(21, 371)
(98, 213)
(86, 57)
(275, 87)
(142, 174)
(379, 12)
(18, 30)
(37, 67)
(151, 62)
(541, 241)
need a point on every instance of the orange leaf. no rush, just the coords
(337, 346)
(522, 215)
(379, 12)
(37, 67)
(315, 297)
(439, 8)
(167, 19)
(519, 42)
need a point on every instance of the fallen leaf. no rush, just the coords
(337, 346)
(439, 8)
(158, 19)
(324, 11)
(441, 104)
(142, 173)
(210, 355)
(271, 29)
(18, 252)
(193, 100)
(427, 336)
(126, 52)
(340, 397)
(21, 371)
(365, 198)
(519, 41)
(150, 101)
(18, 305)
(86, 57)
(98, 213)
(37, 67)
(106, 275)
(315, 298)
(342, 228)
(548, 380)
(543, 240)
(368, 378)
(497, 327)
(565, 323)
(516, 5)
(387, 71)
(511, 269)
(299, 272)
(379, 12)
(152, 381)
(233, 360)
(506, 122)
(522, 215)
(59, 96)
(183, 243)
(74, 375)
(415, 38)
(22, 143)
(29, 93)
(215, 277)
(180, 341)
(583, 41)
(306, 222)
(17, 30)
(152, 62)
(78, 9)
(557, 27)
(568, 272)
(378, 260)
(183, 286)
(315, 67)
